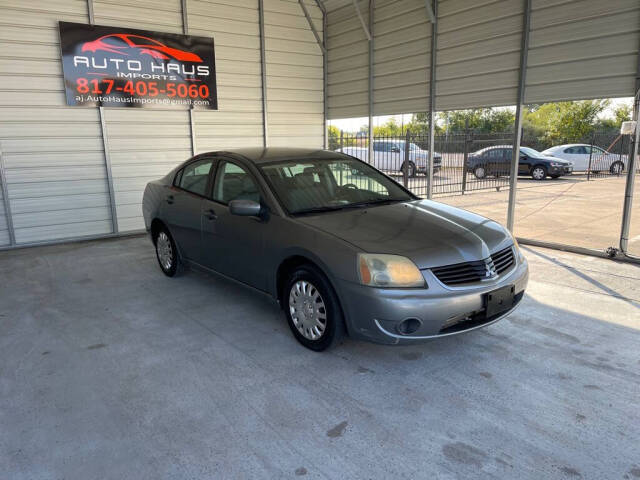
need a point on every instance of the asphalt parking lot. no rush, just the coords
(110, 370)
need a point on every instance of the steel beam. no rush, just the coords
(263, 70)
(517, 135)
(105, 146)
(370, 89)
(367, 31)
(313, 27)
(192, 123)
(432, 92)
(5, 201)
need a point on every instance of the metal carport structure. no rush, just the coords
(286, 67)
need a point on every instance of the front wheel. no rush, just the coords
(539, 173)
(312, 309)
(166, 253)
(479, 172)
(411, 169)
(616, 168)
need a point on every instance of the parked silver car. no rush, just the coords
(338, 244)
(589, 157)
(389, 156)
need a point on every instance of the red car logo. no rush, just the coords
(121, 42)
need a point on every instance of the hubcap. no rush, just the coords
(538, 173)
(480, 172)
(164, 250)
(307, 310)
(617, 168)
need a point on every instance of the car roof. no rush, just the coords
(262, 155)
(570, 145)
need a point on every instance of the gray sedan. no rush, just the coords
(342, 247)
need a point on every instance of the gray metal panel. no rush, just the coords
(294, 72)
(401, 57)
(234, 26)
(52, 154)
(478, 53)
(582, 49)
(348, 62)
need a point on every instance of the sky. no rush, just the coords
(354, 124)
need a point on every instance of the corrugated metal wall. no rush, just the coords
(582, 49)
(54, 155)
(401, 57)
(579, 49)
(294, 74)
(348, 62)
(142, 143)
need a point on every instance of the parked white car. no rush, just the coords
(389, 155)
(579, 154)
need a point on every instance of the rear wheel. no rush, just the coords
(538, 172)
(312, 309)
(480, 172)
(166, 252)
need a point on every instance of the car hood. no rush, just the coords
(429, 233)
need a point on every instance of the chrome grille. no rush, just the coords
(470, 272)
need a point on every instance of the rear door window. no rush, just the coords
(195, 176)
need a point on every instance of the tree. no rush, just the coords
(334, 137)
(564, 122)
(389, 129)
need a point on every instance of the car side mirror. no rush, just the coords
(395, 150)
(244, 208)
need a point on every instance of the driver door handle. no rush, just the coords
(169, 199)
(211, 214)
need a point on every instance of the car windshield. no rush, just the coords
(309, 186)
(530, 152)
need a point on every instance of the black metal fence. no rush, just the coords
(406, 158)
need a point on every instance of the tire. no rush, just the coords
(538, 172)
(480, 172)
(308, 292)
(167, 253)
(616, 168)
(411, 169)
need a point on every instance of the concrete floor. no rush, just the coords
(109, 370)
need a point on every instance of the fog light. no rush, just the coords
(408, 326)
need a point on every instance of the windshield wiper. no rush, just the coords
(380, 201)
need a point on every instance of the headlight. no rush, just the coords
(382, 270)
(556, 164)
(518, 251)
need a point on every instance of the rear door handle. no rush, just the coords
(210, 214)
(169, 199)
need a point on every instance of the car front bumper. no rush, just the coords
(560, 170)
(374, 314)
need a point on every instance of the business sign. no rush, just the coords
(123, 67)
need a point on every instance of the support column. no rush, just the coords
(263, 70)
(185, 30)
(433, 14)
(324, 72)
(5, 201)
(370, 36)
(632, 165)
(517, 135)
(105, 146)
